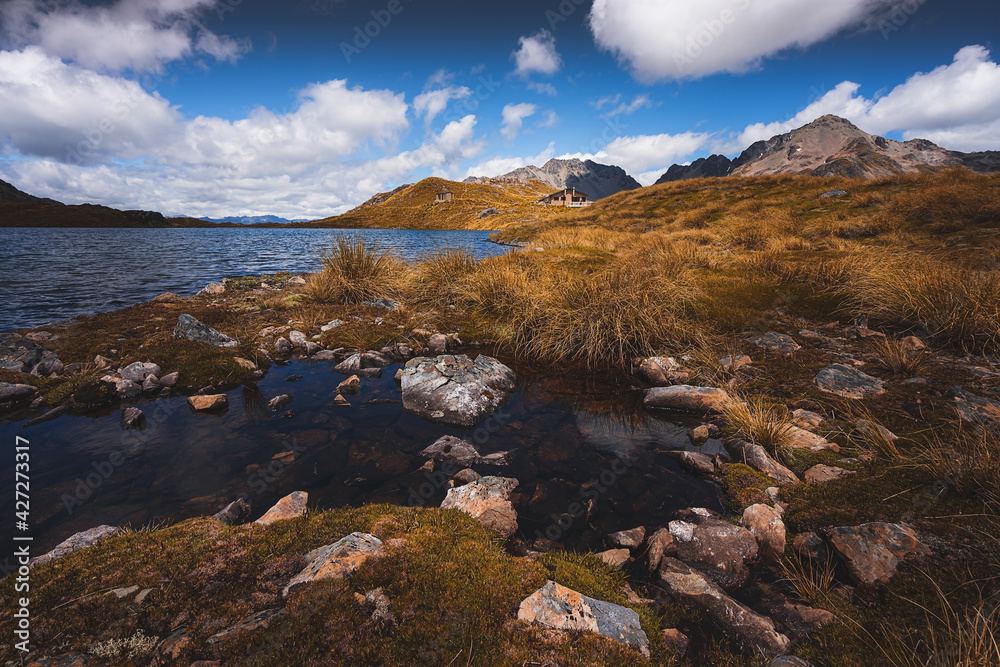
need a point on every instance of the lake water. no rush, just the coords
(572, 441)
(53, 274)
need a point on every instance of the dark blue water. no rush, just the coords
(53, 274)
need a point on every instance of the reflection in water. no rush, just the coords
(569, 453)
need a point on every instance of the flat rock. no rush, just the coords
(138, 372)
(848, 382)
(291, 506)
(663, 371)
(258, 621)
(339, 560)
(976, 409)
(486, 500)
(765, 524)
(696, 461)
(873, 551)
(719, 549)
(208, 402)
(10, 393)
(454, 390)
(561, 608)
(685, 398)
(757, 458)
(821, 474)
(806, 420)
(628, 539)
(190, 328)
(455, 450)
(803, 439)
(616, 558)
(777, 343)
(693, 589)
(87, 538)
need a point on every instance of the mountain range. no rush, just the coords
(597, 180)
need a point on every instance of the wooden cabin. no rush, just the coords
(567, 197)
(445, 195)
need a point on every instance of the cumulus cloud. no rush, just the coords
(543, 88)
(431, 103)
(955, 105)
(138, 35)
(646, 157)
(498, 166)
(537, 54)
(513, 119)
(678, 39)
(637, 103)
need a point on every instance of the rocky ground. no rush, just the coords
(843, 526)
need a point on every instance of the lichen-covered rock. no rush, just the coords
(692, 588)
(628, 539)
(976, 409)
(807, 420)
(561, 608)
(486, 500)
(757, 458)
(455, 450)
(848, 382)
(803, 439)
(719, 549)
(291, 506)
(873, 551)
(87, 538)
(777, 343)
(338, 560)
(455, 390)
(765, 523)
(685, 398)
(190, 328)
(138, 372)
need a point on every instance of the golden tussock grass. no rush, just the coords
(760, 421)
(361, 271)
(438, 278)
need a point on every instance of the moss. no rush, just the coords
(742, 486)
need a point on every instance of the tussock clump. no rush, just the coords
(760, 421)
(968, 460)
(439, 277)
(899, 358)
(363, 271)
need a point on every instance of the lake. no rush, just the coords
(53, 274)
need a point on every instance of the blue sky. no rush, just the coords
(206, 107)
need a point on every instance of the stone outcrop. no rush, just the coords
(190, 328)
(873, 551)
(339, 560)
(290, 507)
(486, 500)
(848, 382)
(87, 538)
(560, 608)
(455, 390)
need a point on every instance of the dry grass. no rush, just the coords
(899, 358)
(760, 421)
(322, 287)
(438, 279)
(811, 579)
(875, 442)
(967, 459)
(363, 271)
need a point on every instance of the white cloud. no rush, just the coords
(680, 39)
(138, 35)
(646, 157)
(956, 106)
(638, 102)
(537, 53)
(513, 119)
(543, 88)
(551, 119)
(433, 102)
(498, 166)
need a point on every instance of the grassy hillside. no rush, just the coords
(32, 214)
(414, 207)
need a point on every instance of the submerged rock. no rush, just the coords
(455, 450)
(486, 500)
(692, 588)
(685, 398)
(208, 403)
(561, 608)
(454, 390)
(190, 328)
(337, 561)
(848, 382)
(87, 538)
(279, 403)
(133, 419)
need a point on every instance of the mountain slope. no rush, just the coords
(8, 193)
(415, 206)
(597, 180)
(833, 146)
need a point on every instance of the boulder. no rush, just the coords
(873, 551)
(349, 366)
(339, 560)
(151, 385)
(290, 507)
(170, 379)
(455, 450)
(486, 500)
(208, 403)
(133, 419)
(685, 398)
(693, 589)
(717, 548)
(663, 371)
(297, 339)
(212, 289)
(757, 458)
(10, 393)
(190, 328)
(628, 539)
(560, 608)
(350, 386)
(454, 390)
(235, 513)
(848, 382)
(49, 365)
(258, 621)
(466, 476)
(616, 558)
(764, 522)
(283, 346)
(138, 372)
(374, 360)
(279, 403)
(87, 538)
(127, 389)
(437, 344)
(777, 343)
(696, 461)
(821, 474)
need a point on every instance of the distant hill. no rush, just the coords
(19, 209)
(833, 146)
(488, 205)
(597, 180)
(253, 220)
